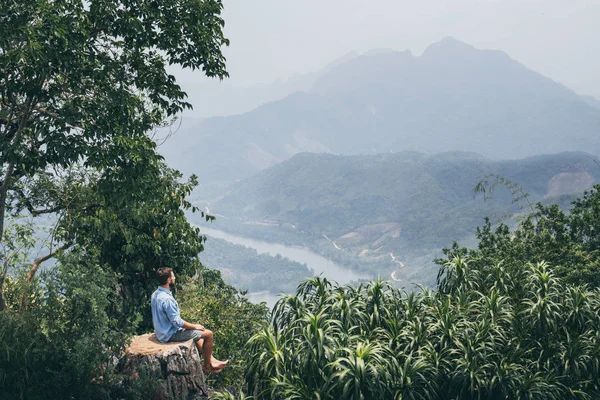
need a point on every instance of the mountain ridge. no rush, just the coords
(409, 204)
(466, 99)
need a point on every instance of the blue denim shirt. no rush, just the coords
(165, 314)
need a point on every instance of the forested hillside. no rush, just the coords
(245, 269)
(501, 324)
(409, 204)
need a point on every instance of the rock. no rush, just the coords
(176, 365)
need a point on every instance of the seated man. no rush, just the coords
(169, 327)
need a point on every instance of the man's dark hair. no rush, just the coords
(163, 275)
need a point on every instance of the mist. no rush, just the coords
(274, 40)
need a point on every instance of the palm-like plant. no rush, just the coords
(498, 332)
(357, 371)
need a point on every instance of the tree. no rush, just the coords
(82, 84)
(568, 241)
(86, 81)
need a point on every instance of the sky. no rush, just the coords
(275, 39)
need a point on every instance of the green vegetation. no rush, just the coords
(409, 204)
(232, 317)
(567, 240)
(82, 85)
(245, 269)
(502, 324)
(513, 333)
(65, 339)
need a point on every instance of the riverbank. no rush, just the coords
(319, 264)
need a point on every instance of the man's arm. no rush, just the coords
(187, 325)
(172, 311)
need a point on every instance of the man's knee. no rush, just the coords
(207, 334)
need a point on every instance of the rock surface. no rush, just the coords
(176, 365)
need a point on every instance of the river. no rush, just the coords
(319, 264)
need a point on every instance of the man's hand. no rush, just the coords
(188, 325)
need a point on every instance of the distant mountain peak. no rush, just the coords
(448, 46)
(340, 60)
(378, 51)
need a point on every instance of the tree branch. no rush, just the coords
(11, 166)
(36, 263)
(30, 208)
(34, 267)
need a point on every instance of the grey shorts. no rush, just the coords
(184, 335)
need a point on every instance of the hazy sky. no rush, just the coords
(273, 39)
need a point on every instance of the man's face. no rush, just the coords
(172, 280)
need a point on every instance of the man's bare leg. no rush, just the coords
(205, 345)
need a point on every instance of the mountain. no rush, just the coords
(452, 97)
(212, 98)
(592, 101)
(405, 204)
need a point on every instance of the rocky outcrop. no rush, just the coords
(569, 183)
(176, 365)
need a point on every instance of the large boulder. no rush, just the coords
(176, 365)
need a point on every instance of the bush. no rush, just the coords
(209, 301)
(62, 341)
(489, 335)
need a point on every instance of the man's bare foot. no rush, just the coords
(215, 367)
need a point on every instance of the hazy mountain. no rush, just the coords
(592, 101)
(409, 204)
(452, 97)
(221, 98)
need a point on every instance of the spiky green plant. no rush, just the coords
(494, 332)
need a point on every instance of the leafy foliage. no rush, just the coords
(488, 335)
(137, 226)
(82, 85)
(568, 241)
(221, 308)
(65, 341)
(503, 324)
(86, 81)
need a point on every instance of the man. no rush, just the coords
(169, 327)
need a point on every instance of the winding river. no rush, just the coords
(319, 264)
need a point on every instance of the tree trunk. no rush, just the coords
(30, 105)
(2, 279)
(177, 366)
(3, 194)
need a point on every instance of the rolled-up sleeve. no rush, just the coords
(172, 311)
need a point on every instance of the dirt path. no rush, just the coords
(332, 242)
(393, 274)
